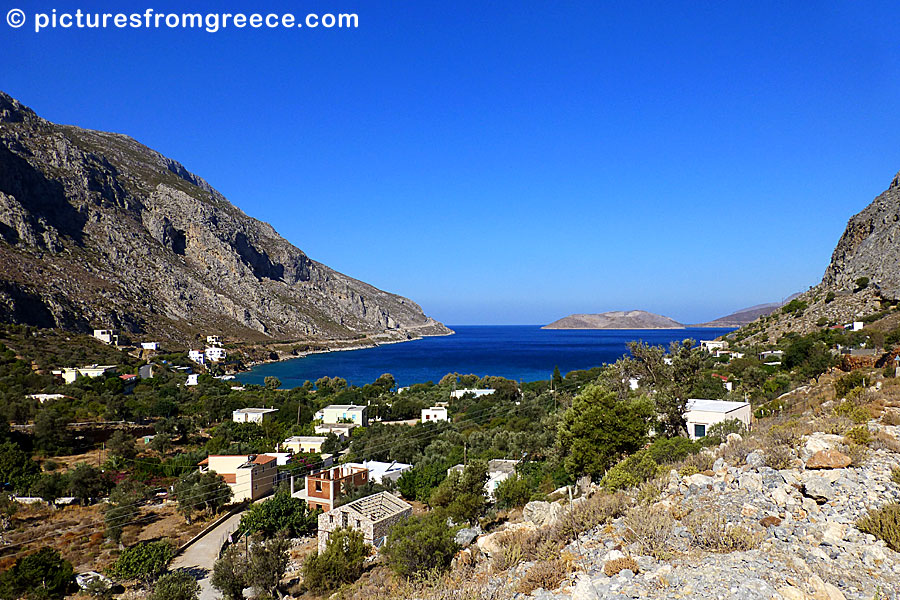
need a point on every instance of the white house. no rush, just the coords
(703, 413)
(343, 413)
(771, 355)
(193, 379)
(713, 345)
(477, 393)
(197, 356)
(435, 413)
(215, 354)
(380, 472)
(342, 430)
(150, 345)
(213, 340)
(107, 336)
(304, 444)
(70, 374)
(46, 397)
(251, 415)
(855, 326)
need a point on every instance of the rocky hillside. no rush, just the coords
(618, 319)
(870, 247)
(99, 231)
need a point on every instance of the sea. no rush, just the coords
(517, 352)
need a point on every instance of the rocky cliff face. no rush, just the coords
(870, 246)
(98, 231)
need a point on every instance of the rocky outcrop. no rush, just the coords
(870, 246)
(97, 230)
(617, 319)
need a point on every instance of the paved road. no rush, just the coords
(200, 556)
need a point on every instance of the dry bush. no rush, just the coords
(891, 417)
(650, 491)
(778, 456)
(547, 574)
(736, 453)
(787, 434)
(701, 461)
(884, 524)
(711, 531)
(833, 424)
(857, 454)
(651, 527)
(895, 475)
(587, 514)
(510, 555)
(612, 567)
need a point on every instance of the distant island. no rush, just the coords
(616, 319)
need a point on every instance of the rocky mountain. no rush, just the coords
(870, 247)
(99, 231)
(744, 316)
(617, 319)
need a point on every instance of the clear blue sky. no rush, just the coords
(514, 161)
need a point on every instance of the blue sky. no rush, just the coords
(514, 161)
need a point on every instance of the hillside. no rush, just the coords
(861, 280)
(745, 316)
(618, 319)
(99, 231)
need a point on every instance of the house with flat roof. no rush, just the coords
(342, 430)
(701, 414)
(373, 515)
(213, 340)
(215, 354)
(324, 488)
(70, 374)
(435, 413)
(343, 413)
(149, 345)
(250, 476)
(713, 345)
(478, 393)
(379, 472)
(251, 415)
(304, 444)
(198, 356)
(107, 336)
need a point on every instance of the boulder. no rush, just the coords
(819, 489)
(465, 535)
(834, 533)
(824, 591)
(755, 459)
(700, 479)
(828, 459)
(542, 514)
(734, 438)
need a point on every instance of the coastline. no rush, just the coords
(372, 343)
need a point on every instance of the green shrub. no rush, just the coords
(420, 544)
(512, 492)
(42, 575)
(670, 450)
(178, 585)
(341, 562)
(843, 385)
(829, 297)
(144, 561)
(884, 524)
(631, 472)
(895, 475)
(855, 413)
(860, 435)
(721, 429)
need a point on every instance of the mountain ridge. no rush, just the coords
(617, 319)
(100, 231)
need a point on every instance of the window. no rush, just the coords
(344, 520)
(318, 486)
(330, 518)
(699, 430)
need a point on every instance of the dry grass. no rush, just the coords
(736, 453)
(711, 531)
(651, 527)
(547, 574)
(613, 567)
(891, 417)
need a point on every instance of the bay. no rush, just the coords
(518, 352)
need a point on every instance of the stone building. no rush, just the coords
(373, 515)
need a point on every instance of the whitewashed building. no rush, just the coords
(713, 345)
(150, 345)
(107, 336)
(435, 413)
(379, 472)
(304, 444)
(215, 354)
(251, 415)
(213, 340)
(198, 356)
(701, 414)
(343, 413)
(70, 374)
(478, 393)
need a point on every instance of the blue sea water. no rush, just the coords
(519, 352)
